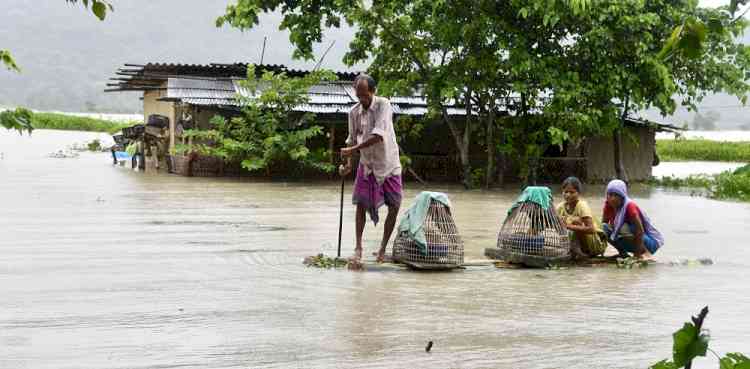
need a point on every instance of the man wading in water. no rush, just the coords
(379, 172)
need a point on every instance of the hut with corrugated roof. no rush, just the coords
(189, 95)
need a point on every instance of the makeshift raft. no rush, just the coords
(371, 265)
(496, 256)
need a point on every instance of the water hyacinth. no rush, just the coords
(324, 262)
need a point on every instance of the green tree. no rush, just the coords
(574, 68)
(436, 48)
(617, 63)
(269, 131)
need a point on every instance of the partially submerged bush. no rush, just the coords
(74, 123)
(270, 131)
(726, 185)
(94, 145)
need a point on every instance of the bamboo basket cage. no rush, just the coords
(444, 248)
(533, 236)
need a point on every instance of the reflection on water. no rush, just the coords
(103, 267)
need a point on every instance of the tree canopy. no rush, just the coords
(580, 64)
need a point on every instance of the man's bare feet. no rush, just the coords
(357, 254)
(380, 255)
(355, 264)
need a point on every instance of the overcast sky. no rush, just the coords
(67, 55)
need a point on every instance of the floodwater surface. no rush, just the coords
(104, 267)
(683, 169)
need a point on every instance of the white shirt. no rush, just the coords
(382, 158)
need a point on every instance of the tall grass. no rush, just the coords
(73, 123)
(702, 150)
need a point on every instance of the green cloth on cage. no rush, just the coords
(539, 195)
(413, 221)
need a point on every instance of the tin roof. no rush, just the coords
(324, 98)
(141, 77)
(217, 84)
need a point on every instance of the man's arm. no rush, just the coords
(348, 151)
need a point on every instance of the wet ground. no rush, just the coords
(103, 267)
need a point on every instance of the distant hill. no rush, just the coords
(730, 112)
(67, 55)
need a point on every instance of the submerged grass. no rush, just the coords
(75, 123)
(704, 150)
(726, 185)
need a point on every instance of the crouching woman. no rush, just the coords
(628, 228)
(586, 236)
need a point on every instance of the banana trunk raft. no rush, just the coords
(493, 260)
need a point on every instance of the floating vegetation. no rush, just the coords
(60, 154)
(325, 262)
(631, 262)
(688, 262)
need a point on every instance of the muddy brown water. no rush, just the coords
(103, 267)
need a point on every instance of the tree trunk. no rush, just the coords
(501, 161)
(332, 144)
(531, 161)
(463, 151)
(489, 175)
(465, 144)
(617, 142)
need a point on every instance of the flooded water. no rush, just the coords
(103, 267)
(729, 136)
(682, 169)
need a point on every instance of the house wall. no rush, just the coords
(203, 116)
(151, 105)
(638, 144)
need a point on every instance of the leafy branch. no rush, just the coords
(98, 7)
(19, 119)
(8, 61)
(691, 341)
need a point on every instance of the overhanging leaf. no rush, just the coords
(8, 61)
(99, 9)
(671, 42)
(734, 361)
(688, 344)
